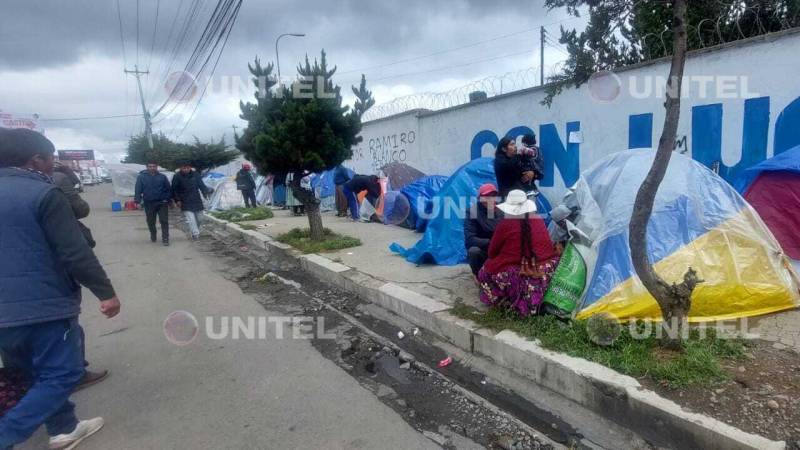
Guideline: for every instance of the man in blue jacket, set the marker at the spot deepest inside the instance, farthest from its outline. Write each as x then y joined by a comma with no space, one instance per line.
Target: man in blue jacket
154,191
45,259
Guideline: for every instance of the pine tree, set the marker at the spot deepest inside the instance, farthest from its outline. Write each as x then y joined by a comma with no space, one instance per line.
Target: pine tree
301,130
364,100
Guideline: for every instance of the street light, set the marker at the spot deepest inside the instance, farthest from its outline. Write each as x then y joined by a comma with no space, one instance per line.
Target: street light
277,56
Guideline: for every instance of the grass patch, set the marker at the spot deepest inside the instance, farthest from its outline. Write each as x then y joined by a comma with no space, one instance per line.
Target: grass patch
299,238
698,365
242,214
248,226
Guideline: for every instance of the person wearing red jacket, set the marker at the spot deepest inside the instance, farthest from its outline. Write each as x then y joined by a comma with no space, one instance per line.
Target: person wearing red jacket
522,258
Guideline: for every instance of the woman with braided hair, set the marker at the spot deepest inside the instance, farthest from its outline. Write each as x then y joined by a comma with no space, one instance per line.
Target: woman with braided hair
522,258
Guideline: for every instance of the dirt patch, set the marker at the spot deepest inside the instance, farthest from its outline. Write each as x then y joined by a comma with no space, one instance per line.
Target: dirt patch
761,397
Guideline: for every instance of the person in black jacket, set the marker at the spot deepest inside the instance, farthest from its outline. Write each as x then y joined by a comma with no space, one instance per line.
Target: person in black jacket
187,187
247,184
358,184
153,190
479,227
508,168
45,259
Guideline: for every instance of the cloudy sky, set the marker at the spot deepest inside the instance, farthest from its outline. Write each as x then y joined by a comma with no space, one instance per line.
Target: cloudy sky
64,59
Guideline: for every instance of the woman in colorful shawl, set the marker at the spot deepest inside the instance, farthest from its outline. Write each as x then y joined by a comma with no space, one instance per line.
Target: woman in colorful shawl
522,258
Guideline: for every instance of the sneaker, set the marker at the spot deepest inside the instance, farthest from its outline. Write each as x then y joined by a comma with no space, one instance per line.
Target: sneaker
84,429
195,237
153,238
165,242
91,378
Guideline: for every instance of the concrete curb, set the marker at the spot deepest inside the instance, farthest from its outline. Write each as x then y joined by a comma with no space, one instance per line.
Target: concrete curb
597,388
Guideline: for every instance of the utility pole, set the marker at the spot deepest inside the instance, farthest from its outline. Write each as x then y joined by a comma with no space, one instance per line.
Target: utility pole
148,126
542,34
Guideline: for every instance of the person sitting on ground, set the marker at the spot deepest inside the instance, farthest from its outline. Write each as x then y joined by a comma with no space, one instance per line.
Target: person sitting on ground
357,185
530,161
507,169
45,261
522,258
187,187
341,176
247,184
479,227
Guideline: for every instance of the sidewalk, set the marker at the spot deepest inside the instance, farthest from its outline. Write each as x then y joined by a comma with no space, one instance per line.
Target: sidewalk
424,295
449,284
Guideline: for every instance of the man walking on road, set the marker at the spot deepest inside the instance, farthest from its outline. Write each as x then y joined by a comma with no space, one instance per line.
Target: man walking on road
45,260
187,187
66,180
247,184
154,192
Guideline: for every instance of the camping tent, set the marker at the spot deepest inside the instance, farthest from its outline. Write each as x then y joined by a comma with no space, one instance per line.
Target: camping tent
773,189
226,196
419,195
123,177
325,190
212,179
443,241
400,175
698,221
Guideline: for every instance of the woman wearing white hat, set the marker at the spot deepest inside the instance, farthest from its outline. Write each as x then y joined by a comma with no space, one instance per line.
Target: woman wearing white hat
522,258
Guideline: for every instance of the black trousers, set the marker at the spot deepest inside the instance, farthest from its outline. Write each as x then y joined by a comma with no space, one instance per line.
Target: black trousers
476,257
161,210
249,198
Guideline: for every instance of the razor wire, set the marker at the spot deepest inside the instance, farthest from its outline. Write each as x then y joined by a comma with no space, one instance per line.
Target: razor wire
491,86
746,22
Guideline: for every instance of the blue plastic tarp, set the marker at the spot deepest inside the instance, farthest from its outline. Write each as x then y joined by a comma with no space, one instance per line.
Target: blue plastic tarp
788,161
443,241
324,181
419,195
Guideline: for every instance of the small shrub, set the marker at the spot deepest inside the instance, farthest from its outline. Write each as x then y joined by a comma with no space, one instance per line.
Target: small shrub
242,214
300,238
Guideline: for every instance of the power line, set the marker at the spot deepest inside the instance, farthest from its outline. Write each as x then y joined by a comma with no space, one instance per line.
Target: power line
151,85
219,22
453,67
137,31
232,22
153,41
449,50
121,35
64,119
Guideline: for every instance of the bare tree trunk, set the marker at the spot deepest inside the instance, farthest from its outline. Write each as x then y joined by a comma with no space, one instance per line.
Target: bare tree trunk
674,300
311,204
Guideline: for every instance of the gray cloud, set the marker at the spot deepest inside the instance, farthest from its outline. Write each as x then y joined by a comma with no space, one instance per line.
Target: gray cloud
64,58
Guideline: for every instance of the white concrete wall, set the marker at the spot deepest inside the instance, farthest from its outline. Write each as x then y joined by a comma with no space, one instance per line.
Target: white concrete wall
762,72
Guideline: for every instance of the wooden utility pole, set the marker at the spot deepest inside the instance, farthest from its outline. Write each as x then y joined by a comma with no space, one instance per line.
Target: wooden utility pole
148,126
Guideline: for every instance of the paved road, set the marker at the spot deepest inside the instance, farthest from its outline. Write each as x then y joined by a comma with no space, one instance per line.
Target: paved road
210,394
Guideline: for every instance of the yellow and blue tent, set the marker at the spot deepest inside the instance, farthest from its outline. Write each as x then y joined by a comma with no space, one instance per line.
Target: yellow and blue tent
698,221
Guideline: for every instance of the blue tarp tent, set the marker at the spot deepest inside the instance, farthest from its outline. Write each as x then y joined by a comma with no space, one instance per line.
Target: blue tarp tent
324,189
443,242
788,161
419,195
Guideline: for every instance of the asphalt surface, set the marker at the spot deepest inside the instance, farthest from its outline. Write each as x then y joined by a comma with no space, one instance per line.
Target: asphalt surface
229,393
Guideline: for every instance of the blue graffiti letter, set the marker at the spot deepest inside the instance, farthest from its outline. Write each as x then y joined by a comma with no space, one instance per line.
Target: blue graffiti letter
567,159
